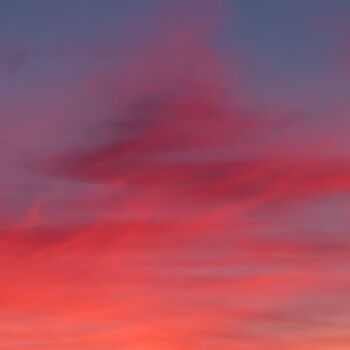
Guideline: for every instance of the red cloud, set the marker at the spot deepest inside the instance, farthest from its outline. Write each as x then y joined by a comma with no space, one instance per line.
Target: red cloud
173,227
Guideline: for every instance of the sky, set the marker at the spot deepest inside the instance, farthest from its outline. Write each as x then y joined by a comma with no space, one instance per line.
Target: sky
174,175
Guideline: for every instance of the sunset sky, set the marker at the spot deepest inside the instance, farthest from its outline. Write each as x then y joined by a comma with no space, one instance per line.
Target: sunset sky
174,175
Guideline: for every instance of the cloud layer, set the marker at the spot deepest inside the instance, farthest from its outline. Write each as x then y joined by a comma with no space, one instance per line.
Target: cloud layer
157,209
